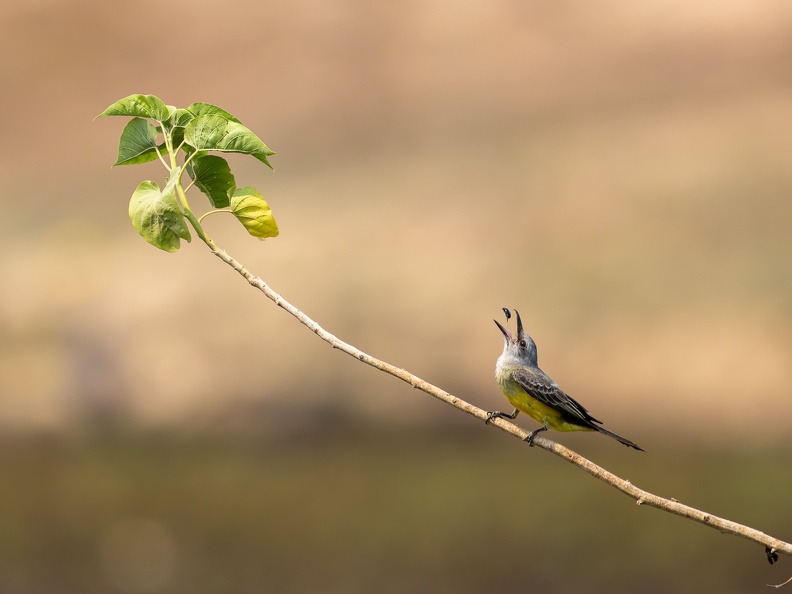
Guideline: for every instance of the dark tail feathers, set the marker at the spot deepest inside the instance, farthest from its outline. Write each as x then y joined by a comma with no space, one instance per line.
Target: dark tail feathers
618,438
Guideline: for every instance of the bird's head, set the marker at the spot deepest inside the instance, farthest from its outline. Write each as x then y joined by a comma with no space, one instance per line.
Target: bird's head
519,347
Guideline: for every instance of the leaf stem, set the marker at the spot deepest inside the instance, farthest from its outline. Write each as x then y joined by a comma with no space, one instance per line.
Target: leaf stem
182,196
169,145
206,214
156,150
188,214
189,158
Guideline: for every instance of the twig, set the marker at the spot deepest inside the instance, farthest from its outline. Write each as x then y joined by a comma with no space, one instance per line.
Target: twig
773,546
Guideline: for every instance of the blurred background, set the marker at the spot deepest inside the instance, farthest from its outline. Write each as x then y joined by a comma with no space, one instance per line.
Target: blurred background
618,172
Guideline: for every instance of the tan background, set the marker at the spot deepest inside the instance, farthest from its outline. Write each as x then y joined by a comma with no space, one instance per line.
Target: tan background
618,172
620,175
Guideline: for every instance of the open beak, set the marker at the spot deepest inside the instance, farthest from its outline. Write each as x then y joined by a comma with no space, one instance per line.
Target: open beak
506,334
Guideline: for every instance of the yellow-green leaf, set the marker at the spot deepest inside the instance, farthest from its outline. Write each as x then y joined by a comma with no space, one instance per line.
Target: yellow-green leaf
253,212
156,214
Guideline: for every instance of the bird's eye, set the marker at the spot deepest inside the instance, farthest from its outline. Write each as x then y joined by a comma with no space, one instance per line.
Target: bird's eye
523,344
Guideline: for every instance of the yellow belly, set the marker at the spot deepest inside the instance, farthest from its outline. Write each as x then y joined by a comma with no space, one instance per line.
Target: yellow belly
546,415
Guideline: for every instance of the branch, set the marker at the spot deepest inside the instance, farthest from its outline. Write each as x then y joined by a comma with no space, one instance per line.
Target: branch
773,546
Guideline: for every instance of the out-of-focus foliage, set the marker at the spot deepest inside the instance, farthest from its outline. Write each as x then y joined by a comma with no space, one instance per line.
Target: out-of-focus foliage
359,513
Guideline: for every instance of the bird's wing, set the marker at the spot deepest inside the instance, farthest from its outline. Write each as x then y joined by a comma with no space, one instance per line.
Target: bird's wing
537,383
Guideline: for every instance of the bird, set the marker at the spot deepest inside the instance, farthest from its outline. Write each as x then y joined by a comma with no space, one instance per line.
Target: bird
530,390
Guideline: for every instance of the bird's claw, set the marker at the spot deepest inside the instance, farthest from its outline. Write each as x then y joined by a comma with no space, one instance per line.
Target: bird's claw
530,437
492,414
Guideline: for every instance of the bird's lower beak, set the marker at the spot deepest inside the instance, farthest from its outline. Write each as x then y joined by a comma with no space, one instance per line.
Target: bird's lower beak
506,334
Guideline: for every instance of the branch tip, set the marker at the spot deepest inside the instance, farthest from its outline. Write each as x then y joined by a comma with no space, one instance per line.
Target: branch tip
779,585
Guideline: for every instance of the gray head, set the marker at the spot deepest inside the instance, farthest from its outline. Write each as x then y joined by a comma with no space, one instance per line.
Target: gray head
521,347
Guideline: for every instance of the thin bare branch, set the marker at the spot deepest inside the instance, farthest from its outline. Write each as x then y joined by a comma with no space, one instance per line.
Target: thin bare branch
641,497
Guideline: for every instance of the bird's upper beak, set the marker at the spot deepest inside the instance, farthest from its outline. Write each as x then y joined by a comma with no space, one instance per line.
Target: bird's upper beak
519,324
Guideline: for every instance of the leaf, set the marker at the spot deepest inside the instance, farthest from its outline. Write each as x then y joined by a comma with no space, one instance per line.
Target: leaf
213,132
138,143
179,118
205,132
177,139
253,212
140,106
239,139
213,177
175,125
156,214
199,109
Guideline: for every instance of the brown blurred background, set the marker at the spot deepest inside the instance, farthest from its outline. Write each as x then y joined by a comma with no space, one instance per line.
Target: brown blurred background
619,172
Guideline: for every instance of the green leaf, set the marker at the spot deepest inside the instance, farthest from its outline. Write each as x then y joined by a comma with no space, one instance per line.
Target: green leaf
199,109
213,177
179,118
253,212
156,214
205,132
239,139
174,125
177,138
138,143
140,106
213,132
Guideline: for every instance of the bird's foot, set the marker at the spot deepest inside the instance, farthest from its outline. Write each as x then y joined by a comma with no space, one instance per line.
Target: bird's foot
530,437
496,414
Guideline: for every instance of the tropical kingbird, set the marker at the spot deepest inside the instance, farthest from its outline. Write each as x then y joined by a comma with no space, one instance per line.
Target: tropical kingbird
530,390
